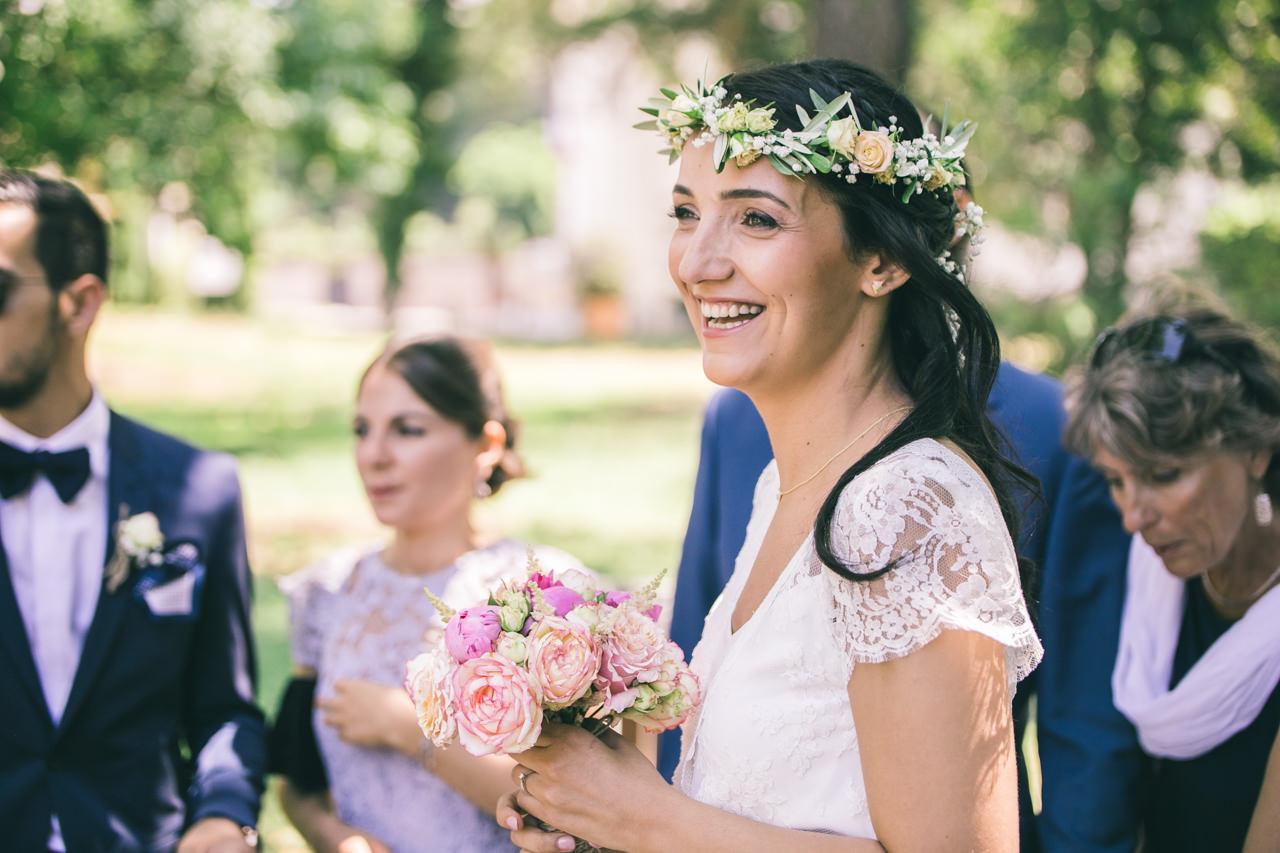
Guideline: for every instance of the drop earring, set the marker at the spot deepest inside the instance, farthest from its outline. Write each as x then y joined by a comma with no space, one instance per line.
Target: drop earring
1262,509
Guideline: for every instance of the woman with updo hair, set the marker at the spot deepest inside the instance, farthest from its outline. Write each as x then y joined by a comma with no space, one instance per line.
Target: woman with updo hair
432,436
1180,411
858,667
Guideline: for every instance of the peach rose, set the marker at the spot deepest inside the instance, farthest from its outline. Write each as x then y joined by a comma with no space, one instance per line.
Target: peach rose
563,660
497,708
873,151
427,682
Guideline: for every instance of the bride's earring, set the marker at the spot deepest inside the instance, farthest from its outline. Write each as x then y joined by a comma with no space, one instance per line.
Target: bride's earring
876,287
1262,509
482,488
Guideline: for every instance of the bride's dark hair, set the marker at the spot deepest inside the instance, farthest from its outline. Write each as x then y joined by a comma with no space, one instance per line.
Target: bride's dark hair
944,344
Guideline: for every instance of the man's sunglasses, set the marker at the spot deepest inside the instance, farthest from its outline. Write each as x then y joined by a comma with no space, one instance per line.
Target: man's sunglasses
1158,339
10,282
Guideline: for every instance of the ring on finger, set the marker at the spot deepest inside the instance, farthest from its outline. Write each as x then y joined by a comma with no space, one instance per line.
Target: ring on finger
524,775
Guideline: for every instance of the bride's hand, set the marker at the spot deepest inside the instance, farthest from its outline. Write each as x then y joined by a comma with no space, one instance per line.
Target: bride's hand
601,788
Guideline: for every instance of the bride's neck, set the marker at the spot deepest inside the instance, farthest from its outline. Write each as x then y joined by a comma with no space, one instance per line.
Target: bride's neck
807,425
423,551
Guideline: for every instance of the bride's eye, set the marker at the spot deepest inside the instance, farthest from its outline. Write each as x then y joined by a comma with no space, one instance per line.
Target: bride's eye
756,219
682,211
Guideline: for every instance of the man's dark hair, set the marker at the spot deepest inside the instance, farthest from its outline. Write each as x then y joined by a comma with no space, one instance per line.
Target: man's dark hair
71,238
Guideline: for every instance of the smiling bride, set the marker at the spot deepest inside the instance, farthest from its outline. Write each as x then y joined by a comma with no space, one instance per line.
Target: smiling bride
858,667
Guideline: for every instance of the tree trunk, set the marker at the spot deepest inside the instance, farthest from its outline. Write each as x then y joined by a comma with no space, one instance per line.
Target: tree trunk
874,33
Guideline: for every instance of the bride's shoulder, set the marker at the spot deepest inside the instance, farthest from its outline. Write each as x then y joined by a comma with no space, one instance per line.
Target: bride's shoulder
924,467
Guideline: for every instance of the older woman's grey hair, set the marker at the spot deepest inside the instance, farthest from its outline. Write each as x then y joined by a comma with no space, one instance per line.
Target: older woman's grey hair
1169,386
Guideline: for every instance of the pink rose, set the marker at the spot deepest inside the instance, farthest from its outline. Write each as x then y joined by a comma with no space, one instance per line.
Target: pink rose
661,712
472,632
633,649
563,661
428,684
497,708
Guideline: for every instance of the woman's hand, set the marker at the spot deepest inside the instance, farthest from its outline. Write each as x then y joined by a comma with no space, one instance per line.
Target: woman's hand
368,714
599,788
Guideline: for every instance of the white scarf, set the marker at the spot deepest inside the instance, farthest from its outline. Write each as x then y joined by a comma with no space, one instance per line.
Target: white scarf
1224,690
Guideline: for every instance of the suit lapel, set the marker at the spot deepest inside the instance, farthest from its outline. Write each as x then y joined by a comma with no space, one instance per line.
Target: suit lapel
13,638
127,486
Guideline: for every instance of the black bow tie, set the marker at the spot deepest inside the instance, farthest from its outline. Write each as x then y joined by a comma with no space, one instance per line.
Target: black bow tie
68,471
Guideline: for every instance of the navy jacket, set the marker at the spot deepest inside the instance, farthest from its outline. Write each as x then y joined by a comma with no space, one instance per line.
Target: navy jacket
1090,759
161,728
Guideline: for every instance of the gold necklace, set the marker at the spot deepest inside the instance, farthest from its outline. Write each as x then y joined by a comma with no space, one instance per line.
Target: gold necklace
782,493
1232,603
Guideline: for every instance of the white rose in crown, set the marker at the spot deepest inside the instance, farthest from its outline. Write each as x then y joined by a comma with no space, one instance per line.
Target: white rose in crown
842,136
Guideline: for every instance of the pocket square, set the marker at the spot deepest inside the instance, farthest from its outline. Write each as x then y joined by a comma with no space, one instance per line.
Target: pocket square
174,598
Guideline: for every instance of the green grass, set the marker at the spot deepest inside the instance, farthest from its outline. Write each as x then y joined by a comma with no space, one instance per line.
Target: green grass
608,433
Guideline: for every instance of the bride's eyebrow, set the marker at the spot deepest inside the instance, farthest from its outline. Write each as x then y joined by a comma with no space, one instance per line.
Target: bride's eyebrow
750,193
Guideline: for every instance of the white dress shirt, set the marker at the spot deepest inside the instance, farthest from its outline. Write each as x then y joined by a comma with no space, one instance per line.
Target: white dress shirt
56,551
56,555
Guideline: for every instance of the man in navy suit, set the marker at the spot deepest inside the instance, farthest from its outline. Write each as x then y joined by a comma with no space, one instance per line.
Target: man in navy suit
1090,758
126,658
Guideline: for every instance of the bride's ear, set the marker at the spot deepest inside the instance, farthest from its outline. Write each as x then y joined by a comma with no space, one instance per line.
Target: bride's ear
881,277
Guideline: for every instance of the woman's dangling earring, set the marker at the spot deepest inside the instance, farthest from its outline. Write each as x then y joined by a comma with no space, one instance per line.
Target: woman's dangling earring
482,488
1262,509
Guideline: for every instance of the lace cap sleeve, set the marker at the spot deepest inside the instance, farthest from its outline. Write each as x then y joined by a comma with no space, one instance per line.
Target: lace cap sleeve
925,511
310,592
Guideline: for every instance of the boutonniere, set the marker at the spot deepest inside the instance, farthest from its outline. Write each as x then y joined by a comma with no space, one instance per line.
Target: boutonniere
138,544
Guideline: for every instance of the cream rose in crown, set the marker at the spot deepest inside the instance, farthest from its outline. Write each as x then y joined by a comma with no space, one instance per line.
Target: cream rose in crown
550,647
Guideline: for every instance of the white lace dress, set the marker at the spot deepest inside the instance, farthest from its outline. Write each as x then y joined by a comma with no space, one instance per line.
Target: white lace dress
353,617
774,738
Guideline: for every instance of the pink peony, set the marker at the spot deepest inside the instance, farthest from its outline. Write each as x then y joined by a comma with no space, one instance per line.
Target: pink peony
472,632
427,682
497,708
563,661
561,599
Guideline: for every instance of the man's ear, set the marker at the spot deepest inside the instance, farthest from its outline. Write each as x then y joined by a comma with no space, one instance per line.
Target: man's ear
882,277
79,303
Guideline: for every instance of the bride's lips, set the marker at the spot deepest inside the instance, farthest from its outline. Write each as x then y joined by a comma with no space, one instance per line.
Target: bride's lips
724,315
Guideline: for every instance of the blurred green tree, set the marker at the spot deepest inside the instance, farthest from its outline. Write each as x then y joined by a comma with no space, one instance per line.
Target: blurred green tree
370,114
1093,99
132,96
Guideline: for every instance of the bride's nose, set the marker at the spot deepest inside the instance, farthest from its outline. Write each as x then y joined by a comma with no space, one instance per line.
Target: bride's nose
700,254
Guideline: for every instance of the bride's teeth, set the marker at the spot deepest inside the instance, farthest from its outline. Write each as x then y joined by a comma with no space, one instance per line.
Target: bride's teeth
729,310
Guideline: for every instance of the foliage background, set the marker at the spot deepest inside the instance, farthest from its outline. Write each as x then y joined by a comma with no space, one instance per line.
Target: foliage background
1126,141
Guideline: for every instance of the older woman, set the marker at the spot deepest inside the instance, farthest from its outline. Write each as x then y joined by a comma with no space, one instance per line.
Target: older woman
1181,414
858,667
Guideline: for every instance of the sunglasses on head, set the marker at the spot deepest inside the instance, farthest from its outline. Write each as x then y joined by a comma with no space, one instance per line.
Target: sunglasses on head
1158,339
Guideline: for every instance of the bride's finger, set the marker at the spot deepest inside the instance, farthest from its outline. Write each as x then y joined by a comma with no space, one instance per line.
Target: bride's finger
507,813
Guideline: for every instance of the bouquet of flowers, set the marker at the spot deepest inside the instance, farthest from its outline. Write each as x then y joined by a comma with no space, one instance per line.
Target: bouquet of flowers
549,647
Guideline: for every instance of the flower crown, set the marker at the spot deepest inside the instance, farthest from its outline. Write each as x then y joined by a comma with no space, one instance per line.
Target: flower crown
825,144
